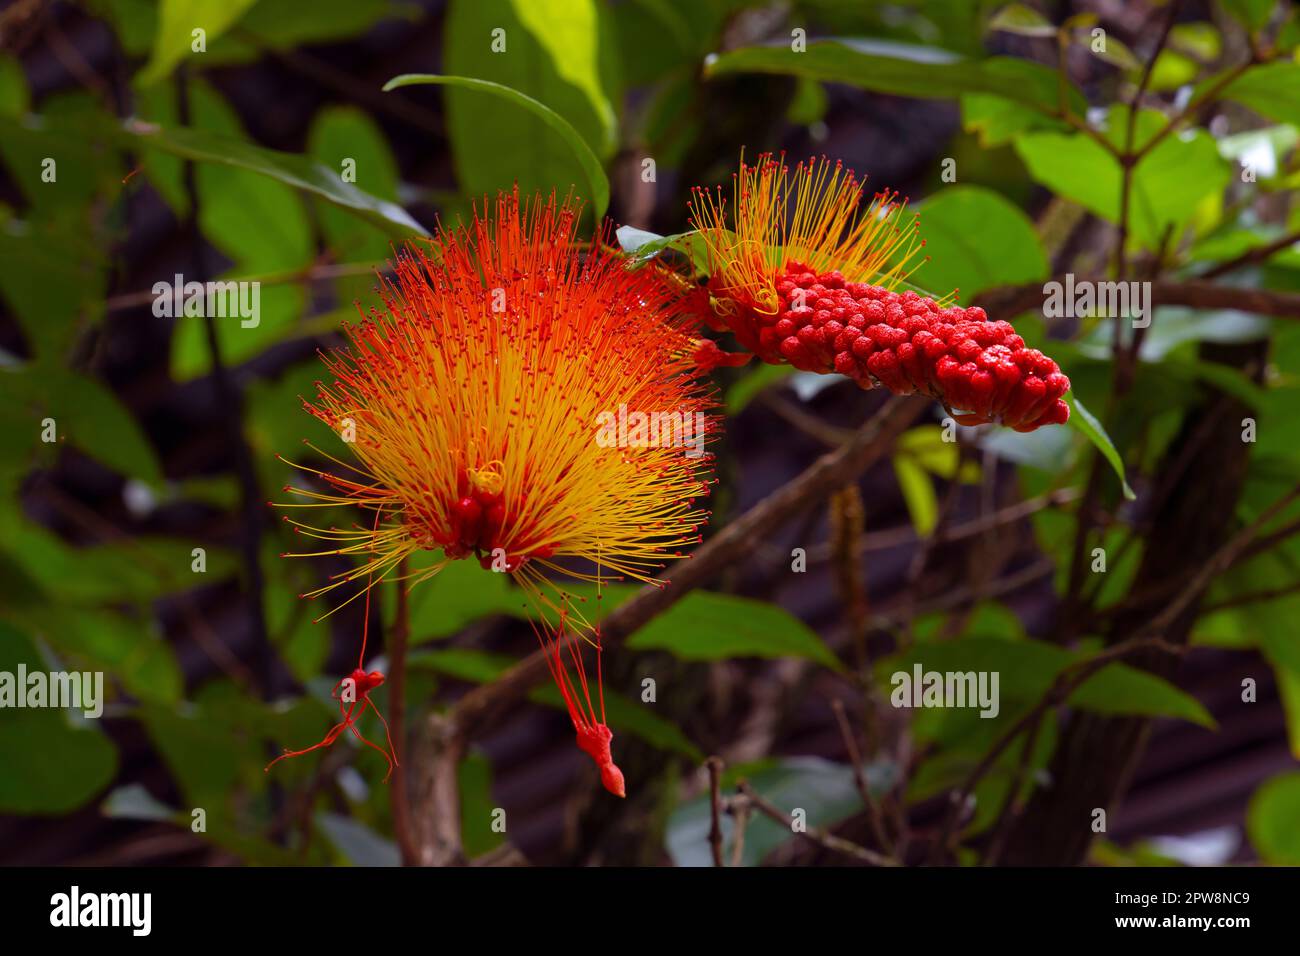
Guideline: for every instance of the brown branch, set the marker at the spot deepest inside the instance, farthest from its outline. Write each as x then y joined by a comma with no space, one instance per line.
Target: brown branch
906,534
1010,301
436,791
715,809
318,272
1252,256
230,401
1250,597
860,778
739,808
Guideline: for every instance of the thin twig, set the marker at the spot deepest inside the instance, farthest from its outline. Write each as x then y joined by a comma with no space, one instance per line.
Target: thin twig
860,778
714,765
1252,256
739,807
1010,301
231,406
817,835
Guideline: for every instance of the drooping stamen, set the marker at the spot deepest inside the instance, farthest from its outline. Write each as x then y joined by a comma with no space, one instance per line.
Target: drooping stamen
362,684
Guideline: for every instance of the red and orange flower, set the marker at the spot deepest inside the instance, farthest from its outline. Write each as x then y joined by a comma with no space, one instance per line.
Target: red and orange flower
477,398
804,272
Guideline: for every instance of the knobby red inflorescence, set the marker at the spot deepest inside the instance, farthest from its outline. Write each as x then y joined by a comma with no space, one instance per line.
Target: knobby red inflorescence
804,269
909,343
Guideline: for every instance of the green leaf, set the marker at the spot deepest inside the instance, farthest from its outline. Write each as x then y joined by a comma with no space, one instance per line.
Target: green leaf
176,23
288,168
1027,668
459,594
1020,19
1253,13
747,388
280,25
1172,70
52,765
1084,421
642,246
1167,184
926,446
998,120
1288,688
360,845
279,310
918,493
597,182
977,240
477,806
706,626
1271,819
1270,89
216,746
343,135
85,414
1120,689
1112,50
14,96
903,70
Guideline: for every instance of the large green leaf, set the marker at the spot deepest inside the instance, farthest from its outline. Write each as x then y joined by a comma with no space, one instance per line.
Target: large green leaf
1084,421
976,240
1271,820
343,134
177,21
553,52
478,176
52,765
997,120
904,70
459,594
288,168
1026,670
1270,89
706,626
86,415
1166,185
1120,689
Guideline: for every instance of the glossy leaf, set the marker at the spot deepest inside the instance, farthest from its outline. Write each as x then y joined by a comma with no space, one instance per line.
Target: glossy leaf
706,626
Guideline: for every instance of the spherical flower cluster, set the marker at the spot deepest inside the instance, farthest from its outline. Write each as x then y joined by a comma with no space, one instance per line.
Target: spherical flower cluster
474,400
